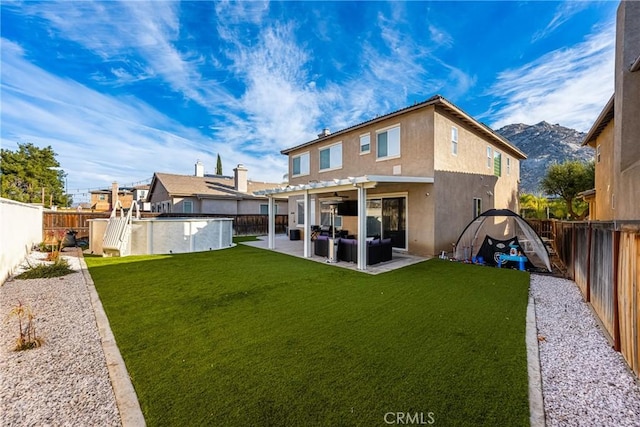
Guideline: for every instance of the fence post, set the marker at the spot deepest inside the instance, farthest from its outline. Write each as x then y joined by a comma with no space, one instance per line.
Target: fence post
616,311
573,251
588,296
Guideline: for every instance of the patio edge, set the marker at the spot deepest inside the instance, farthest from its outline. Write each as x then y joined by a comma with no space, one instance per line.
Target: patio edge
125,394
536,401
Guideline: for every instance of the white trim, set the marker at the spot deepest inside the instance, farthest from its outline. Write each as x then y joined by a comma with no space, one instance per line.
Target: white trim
360,142
309,165
346,184
393,195
329,146
454,141
386,129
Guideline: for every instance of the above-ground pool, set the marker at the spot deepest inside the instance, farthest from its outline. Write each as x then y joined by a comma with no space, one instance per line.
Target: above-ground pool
169,235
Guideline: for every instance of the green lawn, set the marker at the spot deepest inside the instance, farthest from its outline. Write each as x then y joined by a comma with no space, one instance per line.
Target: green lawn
250,337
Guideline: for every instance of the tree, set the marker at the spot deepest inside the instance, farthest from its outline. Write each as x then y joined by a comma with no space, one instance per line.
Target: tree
533,206
32,175
219,166
567,180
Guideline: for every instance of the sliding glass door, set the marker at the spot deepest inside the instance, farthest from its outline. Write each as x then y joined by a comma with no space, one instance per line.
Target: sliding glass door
387,218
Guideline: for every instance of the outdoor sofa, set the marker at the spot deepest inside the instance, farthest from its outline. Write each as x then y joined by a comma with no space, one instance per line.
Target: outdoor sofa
378,250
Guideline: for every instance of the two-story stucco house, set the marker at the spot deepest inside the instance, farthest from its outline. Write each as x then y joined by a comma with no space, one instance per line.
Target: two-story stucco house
417,175
616,132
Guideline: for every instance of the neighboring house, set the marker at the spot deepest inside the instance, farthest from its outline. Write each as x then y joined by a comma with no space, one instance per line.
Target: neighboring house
140,193
209,194
417,175
102,200
615,134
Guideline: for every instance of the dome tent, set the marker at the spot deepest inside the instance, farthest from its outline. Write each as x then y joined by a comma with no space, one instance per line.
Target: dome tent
496,231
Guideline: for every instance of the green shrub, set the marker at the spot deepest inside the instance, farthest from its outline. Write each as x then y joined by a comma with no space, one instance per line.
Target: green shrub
42,271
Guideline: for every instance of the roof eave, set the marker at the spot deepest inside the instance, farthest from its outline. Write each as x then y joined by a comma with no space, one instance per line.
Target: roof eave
605,116
431,101
435,100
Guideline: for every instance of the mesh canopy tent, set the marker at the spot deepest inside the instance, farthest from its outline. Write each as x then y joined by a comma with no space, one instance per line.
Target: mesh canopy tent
496,231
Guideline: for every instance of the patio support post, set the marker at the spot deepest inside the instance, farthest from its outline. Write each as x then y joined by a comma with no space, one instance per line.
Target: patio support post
307,226
271,223
362,227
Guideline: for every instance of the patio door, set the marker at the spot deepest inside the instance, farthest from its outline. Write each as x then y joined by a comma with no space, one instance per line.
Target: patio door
387,217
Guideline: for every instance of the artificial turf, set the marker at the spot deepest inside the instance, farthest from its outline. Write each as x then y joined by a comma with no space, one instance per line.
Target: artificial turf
246,336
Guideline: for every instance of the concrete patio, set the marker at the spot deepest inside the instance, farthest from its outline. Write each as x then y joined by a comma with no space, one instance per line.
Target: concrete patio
295,248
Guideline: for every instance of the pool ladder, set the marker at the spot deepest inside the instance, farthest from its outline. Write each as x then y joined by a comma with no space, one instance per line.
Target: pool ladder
117,236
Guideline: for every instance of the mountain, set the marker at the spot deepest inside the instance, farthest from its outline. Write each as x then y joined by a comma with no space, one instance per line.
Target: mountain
544,143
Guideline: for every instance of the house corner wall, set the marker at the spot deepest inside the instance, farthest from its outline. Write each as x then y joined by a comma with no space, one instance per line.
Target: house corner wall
626,112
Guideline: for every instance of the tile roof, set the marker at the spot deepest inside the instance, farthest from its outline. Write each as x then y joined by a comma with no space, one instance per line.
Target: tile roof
436,100
209,186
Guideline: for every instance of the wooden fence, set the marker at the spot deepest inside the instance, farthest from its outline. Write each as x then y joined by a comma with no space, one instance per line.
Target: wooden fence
243,225
603,258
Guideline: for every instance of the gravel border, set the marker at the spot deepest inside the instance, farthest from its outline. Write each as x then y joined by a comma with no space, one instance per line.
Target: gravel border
584,381
66,381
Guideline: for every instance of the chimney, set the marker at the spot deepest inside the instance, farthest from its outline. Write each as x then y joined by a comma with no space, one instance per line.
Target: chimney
199,169
114,194
325,132
240,178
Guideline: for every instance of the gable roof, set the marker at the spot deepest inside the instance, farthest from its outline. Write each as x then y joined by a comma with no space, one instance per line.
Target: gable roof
206,187
601,122
439,102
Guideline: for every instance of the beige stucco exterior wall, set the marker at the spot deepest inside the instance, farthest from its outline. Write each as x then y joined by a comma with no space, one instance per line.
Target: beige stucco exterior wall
627,112
416,150
159,194
454,193
604,182
472,158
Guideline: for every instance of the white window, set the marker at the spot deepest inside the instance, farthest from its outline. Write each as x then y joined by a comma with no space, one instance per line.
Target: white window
187,206
300,165
454,140
497,164
598,154
331,157
388,143
489,157
365,143
508,165
477,207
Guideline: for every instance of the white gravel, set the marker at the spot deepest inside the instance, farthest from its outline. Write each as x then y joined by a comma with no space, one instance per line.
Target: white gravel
584,381
65,382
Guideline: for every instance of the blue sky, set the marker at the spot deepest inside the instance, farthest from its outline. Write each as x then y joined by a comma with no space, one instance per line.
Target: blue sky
124,89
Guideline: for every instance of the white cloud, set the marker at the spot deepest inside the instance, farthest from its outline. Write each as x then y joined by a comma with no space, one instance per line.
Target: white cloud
116,30
569,86
100,138
564,11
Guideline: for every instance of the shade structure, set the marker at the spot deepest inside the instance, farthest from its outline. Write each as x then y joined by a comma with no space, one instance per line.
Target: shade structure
508,228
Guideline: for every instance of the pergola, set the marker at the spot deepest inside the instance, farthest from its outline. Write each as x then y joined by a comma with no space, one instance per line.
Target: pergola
361,184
